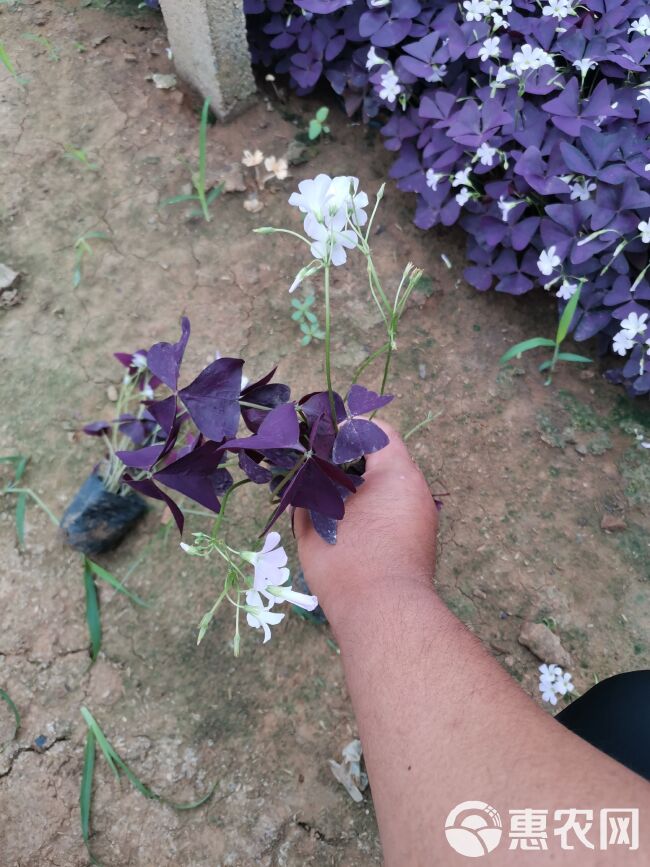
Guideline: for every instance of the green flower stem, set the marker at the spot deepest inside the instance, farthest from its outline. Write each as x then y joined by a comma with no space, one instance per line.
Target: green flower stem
368,361
224,503
328,363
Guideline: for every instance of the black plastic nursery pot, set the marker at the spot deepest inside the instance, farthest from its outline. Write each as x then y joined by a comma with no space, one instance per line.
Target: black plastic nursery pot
97,520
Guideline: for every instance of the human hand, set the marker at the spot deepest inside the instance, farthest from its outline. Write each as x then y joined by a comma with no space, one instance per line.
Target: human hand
388,533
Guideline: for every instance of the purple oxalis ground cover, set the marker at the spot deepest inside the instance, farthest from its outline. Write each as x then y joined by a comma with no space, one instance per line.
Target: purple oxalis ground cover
526,123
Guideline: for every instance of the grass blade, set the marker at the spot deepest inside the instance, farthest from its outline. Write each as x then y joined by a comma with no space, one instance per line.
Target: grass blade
571,356
86,792
117,763
12,707
21,505
102,573
109,753
6,62
175,200
567,316
92,611
21,464
524,346
214,193
203,134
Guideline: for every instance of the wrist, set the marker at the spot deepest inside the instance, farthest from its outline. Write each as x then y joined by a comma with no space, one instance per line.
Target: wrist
356,600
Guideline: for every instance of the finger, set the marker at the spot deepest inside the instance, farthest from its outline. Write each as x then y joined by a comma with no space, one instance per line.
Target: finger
394,455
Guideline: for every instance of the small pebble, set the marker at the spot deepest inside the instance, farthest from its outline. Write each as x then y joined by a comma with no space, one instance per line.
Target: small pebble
111,393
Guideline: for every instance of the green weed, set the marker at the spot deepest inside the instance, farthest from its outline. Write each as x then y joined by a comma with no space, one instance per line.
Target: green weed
317,126
202,196
535,342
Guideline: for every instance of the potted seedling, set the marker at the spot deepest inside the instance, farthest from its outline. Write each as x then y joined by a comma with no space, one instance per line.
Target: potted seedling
105,508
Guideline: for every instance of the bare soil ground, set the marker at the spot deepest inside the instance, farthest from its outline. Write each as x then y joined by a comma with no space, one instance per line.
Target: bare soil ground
530,471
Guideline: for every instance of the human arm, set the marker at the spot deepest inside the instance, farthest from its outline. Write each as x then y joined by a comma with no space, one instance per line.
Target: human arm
439,719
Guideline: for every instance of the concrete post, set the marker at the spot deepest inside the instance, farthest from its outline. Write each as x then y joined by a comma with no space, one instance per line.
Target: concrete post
208,41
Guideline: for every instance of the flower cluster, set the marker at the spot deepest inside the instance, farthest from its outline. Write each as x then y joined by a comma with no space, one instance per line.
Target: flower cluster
554,682
525,122
261,591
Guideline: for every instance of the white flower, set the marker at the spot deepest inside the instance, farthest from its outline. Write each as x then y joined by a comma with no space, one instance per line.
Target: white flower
490,48
433,179
499,21
260,616
584,65
505,6
390,86
486,154
475,10
505,207
373,58
330,201
558,9
286,594
645,94
530,57
503,75
252,159
563,683
147,392
567,290
463,196
548,261
277,167
461,179
553,682
582,190
269,563
342,195
622,343
438,72
139,360
307,271
548,693
331,242
641,25
548,673
377,4
634,324
643,227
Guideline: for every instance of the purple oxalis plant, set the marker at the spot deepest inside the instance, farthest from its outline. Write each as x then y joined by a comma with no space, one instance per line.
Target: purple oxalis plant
527,123
189,442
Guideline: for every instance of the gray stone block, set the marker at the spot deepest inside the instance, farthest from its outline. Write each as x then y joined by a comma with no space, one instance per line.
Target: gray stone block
210,48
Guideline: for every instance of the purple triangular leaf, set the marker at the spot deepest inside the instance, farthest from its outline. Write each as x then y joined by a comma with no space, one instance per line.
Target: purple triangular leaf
357,438
197,475
361,400
212,400
97,428
164,412
150,489
141,459
164,359
257,474
279,430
